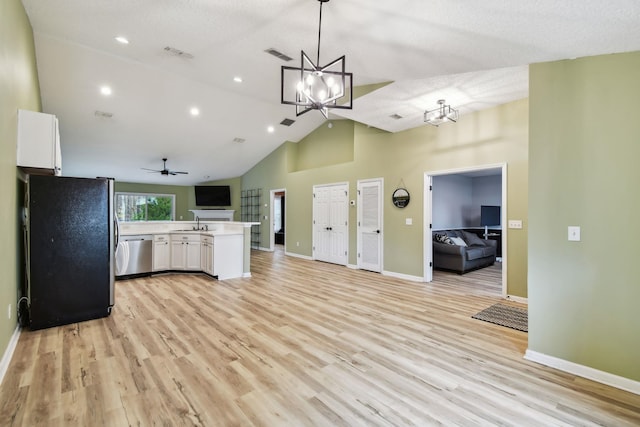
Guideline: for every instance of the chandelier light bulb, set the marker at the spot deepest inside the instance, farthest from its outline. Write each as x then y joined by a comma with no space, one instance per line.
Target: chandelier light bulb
300,87
310,79
322,94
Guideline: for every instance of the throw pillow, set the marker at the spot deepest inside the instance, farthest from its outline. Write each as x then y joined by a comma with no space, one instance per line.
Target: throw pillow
458,241
442,238
472,239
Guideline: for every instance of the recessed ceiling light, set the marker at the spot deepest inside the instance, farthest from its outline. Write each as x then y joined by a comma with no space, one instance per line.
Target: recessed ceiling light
122,40
271,129
237,79
106,90
195,111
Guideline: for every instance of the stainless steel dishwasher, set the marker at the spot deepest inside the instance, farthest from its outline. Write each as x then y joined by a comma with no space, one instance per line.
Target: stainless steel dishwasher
134,255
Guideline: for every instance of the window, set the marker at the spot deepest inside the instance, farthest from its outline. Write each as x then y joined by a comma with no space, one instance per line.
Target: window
145,207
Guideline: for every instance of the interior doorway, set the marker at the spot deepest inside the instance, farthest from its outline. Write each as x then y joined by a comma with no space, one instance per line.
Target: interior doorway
278,218
466,213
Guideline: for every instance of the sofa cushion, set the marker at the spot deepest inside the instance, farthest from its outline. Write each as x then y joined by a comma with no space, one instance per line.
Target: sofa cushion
472,239
475,253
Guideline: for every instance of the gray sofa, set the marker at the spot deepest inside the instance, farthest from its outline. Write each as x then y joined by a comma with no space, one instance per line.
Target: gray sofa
472,254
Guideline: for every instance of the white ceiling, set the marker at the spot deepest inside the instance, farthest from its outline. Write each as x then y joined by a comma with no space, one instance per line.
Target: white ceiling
473,54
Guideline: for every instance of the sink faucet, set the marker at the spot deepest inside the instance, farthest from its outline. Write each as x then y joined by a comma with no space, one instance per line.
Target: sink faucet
197,223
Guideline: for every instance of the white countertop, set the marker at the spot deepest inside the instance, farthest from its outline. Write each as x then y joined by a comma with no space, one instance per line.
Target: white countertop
215,228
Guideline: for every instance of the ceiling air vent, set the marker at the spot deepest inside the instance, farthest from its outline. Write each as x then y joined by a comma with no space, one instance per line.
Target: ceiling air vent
287,122
103,114
177,52
278,54
396,116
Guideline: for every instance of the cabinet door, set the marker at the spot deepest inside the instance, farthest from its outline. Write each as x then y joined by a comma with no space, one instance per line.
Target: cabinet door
161,256
38,141
192,255
178,255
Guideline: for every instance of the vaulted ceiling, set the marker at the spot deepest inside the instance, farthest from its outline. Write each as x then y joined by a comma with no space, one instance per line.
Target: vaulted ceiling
473,54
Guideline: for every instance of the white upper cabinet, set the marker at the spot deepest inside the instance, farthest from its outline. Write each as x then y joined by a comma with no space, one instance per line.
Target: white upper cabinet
39,142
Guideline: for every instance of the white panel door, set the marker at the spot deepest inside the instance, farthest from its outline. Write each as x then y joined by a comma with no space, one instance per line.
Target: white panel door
338,227
321,221
330,223
370,225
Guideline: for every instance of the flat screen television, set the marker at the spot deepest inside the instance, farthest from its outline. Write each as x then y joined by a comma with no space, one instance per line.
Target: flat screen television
489,216
213,195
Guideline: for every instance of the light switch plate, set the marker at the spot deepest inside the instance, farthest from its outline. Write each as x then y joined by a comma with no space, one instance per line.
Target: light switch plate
574,233
408,221
515,223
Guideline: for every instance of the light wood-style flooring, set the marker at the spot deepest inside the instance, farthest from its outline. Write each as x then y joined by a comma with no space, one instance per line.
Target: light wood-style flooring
300,343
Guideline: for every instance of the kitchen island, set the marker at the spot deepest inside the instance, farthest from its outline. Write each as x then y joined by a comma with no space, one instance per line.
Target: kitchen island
218,248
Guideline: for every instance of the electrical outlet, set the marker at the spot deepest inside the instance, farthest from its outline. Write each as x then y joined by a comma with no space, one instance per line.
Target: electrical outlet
297,243
408,221
9,312
515,223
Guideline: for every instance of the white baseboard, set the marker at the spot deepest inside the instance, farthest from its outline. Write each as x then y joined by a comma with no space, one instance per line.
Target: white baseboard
517,299
584,371
260,248
299,256
8,353
246,274
403,276
352,266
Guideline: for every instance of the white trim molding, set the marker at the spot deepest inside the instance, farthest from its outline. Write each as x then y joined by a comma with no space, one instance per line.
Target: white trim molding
8,353
299,256
584,371
403,276
517,299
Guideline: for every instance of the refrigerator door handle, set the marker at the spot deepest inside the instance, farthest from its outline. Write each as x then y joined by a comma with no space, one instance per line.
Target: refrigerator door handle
117,231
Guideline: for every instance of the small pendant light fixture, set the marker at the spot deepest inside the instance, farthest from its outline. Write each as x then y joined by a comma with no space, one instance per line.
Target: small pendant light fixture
316,87
444,113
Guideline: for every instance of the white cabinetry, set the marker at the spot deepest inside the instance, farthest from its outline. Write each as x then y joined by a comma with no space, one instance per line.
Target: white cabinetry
206,251
227,255
161,252
185,252
38,145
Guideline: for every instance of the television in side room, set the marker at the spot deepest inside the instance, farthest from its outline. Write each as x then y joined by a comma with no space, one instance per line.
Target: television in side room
213,195
489,216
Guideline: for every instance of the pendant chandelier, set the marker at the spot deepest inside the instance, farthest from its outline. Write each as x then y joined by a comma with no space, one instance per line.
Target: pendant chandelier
444,113
316,87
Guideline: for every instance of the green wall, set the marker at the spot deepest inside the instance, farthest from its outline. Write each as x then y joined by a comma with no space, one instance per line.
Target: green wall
493,136
18,89
584,150
185,195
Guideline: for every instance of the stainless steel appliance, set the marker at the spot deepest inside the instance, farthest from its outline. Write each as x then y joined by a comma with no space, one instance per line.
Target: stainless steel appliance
70,249
134,255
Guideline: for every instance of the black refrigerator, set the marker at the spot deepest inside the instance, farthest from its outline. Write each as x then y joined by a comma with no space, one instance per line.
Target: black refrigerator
71,235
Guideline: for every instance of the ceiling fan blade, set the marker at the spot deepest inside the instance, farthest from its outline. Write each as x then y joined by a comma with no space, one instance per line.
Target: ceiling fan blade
178,172
150,170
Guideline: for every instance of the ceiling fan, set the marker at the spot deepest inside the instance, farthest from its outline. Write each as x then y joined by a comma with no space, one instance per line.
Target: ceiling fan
164,170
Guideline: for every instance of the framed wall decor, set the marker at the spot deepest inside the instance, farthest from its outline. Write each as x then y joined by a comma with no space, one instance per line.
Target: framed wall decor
400,197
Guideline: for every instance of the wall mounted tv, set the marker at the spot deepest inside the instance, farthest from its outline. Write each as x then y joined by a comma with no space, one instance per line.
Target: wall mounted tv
489,216
213,195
